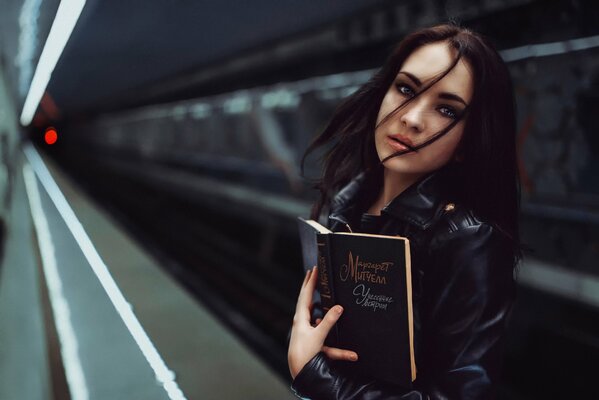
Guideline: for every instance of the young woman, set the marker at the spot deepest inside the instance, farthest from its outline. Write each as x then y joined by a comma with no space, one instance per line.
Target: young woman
425,149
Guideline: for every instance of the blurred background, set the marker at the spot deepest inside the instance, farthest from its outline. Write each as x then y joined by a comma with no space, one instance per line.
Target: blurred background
149,185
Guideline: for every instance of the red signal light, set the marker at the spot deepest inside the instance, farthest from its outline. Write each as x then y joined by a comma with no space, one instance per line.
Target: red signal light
50,136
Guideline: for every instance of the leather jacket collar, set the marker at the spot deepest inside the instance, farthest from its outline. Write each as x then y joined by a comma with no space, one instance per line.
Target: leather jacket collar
419,204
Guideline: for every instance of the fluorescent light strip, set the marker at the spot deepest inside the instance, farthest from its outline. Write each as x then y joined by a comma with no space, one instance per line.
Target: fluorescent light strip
66,17
164,375
30,12
60,307
549,49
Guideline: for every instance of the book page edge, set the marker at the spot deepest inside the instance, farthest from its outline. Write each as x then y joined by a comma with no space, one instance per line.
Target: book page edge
373,235
316,225
410,309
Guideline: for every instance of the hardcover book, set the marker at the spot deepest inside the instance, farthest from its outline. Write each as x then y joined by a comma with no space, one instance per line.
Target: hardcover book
370,277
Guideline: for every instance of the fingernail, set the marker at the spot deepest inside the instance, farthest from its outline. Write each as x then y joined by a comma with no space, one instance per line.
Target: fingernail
338,309
353,357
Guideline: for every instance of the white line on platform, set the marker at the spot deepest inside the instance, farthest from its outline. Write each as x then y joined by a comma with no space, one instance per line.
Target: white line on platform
164,375
60,307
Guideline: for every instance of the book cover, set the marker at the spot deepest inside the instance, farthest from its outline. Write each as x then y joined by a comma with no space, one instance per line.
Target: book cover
370,276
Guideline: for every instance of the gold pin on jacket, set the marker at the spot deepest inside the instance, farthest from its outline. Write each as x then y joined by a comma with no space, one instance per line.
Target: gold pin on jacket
449,207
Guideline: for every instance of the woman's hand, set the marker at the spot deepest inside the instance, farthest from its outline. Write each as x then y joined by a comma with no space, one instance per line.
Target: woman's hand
306,340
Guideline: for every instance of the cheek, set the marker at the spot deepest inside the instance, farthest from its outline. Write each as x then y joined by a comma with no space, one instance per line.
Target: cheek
443,149
386,106
379,142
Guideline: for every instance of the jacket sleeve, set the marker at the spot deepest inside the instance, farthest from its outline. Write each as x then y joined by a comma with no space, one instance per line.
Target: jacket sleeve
467,301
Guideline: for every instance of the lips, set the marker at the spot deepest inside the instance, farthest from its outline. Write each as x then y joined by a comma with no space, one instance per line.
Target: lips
399,143
397,138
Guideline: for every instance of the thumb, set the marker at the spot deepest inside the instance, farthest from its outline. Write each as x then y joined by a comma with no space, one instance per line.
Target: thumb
330,318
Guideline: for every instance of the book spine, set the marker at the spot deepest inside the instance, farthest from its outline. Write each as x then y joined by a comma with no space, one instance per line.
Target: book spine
325,281
324,277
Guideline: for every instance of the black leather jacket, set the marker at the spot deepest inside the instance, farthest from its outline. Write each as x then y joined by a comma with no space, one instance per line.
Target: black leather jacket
463,290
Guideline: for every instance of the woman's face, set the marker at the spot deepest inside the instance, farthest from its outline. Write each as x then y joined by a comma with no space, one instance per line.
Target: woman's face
426,115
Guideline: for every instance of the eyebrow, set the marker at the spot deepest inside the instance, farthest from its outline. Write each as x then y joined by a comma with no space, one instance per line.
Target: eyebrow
442,95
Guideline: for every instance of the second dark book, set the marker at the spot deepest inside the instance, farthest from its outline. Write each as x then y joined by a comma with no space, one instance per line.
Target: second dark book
370,276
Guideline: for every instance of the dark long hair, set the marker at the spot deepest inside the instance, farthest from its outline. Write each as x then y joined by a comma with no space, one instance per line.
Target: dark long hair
486,179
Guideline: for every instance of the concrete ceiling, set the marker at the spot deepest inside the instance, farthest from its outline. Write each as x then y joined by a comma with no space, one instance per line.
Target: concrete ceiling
118,47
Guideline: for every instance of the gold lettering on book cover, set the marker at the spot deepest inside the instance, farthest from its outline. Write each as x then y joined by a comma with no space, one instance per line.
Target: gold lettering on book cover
325,289
363,271
372,301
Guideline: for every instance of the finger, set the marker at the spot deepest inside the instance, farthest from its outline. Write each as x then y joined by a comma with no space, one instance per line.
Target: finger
330,318
312,281
304,301
307,277
318,321
307,291
304,283
340,354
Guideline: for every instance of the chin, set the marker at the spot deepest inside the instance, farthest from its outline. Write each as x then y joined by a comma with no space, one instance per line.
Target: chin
398,165
407,165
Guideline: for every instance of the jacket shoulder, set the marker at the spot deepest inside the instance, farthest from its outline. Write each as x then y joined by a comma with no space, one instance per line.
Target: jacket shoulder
460,222
474,254
458,217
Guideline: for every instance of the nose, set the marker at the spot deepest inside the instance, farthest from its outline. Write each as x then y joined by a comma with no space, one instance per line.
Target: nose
412,118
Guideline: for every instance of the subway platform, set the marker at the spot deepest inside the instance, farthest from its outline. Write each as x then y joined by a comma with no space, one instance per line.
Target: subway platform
86,314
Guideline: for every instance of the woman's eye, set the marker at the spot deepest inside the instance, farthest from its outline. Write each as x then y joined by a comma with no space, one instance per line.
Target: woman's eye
448,112
404,89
